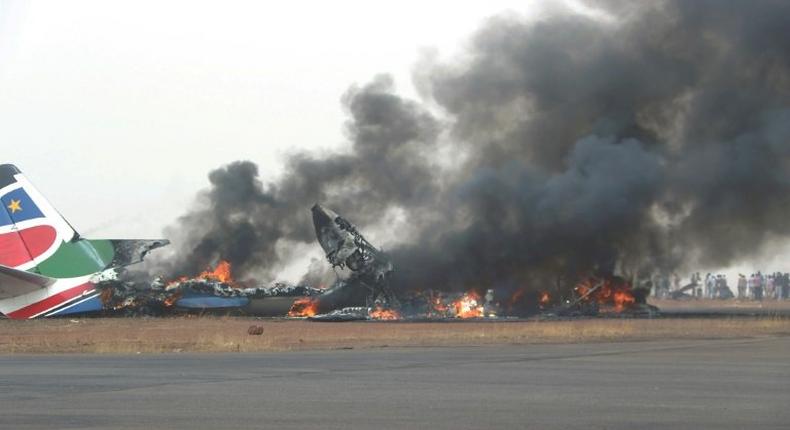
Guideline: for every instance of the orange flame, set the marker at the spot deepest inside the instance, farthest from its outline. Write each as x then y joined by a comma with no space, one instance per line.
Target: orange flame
583,288
380,313
468,306
623,299
304,307
175,281
617,295
220,273
438,304
172,299
545,298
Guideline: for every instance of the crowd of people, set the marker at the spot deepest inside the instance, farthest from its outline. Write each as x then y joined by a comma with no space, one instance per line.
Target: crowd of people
755,286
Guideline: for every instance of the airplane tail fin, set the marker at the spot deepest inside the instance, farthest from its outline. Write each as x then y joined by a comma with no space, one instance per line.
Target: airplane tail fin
34,236
30,228
46,268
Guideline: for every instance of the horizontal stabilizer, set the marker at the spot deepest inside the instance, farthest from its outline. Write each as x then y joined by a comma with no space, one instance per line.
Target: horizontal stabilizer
15,282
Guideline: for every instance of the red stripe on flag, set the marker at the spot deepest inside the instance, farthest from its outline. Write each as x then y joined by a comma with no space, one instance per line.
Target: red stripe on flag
38,239
16,248
12,250
50,302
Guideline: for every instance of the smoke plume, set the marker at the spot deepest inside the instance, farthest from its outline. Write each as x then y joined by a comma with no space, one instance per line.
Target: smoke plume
243,221
655,139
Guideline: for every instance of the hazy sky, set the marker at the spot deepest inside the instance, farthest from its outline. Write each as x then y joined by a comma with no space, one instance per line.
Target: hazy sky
117,110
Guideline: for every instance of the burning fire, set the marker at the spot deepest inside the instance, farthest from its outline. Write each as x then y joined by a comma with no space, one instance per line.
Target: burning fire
172,299
304,307
545,299
438,304
623,299
609,292
468,306
220,273
379,313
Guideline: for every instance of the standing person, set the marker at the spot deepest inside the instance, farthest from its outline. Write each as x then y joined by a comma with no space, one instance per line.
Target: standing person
654,289
750,286
777,285
664,286
696,279
710,285
741,286
785,285
758,286
716,287
769,287
725,292
705,286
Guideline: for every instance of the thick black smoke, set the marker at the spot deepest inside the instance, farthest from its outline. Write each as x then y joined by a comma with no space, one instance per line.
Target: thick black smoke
243,221
656,139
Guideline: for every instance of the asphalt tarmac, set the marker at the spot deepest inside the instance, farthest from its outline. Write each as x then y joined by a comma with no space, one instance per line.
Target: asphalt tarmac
730,384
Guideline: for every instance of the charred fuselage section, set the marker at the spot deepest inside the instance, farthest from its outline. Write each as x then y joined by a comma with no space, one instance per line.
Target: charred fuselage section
363,289
370,269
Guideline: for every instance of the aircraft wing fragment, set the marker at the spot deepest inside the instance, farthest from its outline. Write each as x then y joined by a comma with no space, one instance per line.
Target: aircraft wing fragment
15,282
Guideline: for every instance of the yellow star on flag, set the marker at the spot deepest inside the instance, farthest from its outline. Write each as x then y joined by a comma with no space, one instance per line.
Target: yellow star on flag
14,206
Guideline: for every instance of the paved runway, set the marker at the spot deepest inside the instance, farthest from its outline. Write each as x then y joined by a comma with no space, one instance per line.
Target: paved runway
731,384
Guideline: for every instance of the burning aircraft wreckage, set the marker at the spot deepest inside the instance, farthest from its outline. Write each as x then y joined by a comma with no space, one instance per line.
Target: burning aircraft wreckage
365,293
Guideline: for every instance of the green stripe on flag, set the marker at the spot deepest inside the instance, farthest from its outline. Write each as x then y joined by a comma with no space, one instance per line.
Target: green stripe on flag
79,258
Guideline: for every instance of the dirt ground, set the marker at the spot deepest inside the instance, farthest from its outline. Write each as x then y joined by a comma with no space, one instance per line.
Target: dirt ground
230,334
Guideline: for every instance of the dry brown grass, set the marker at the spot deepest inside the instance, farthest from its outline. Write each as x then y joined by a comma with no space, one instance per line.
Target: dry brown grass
225,334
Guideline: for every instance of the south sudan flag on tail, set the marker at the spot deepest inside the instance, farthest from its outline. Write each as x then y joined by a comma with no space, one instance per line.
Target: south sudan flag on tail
46,268
30,229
